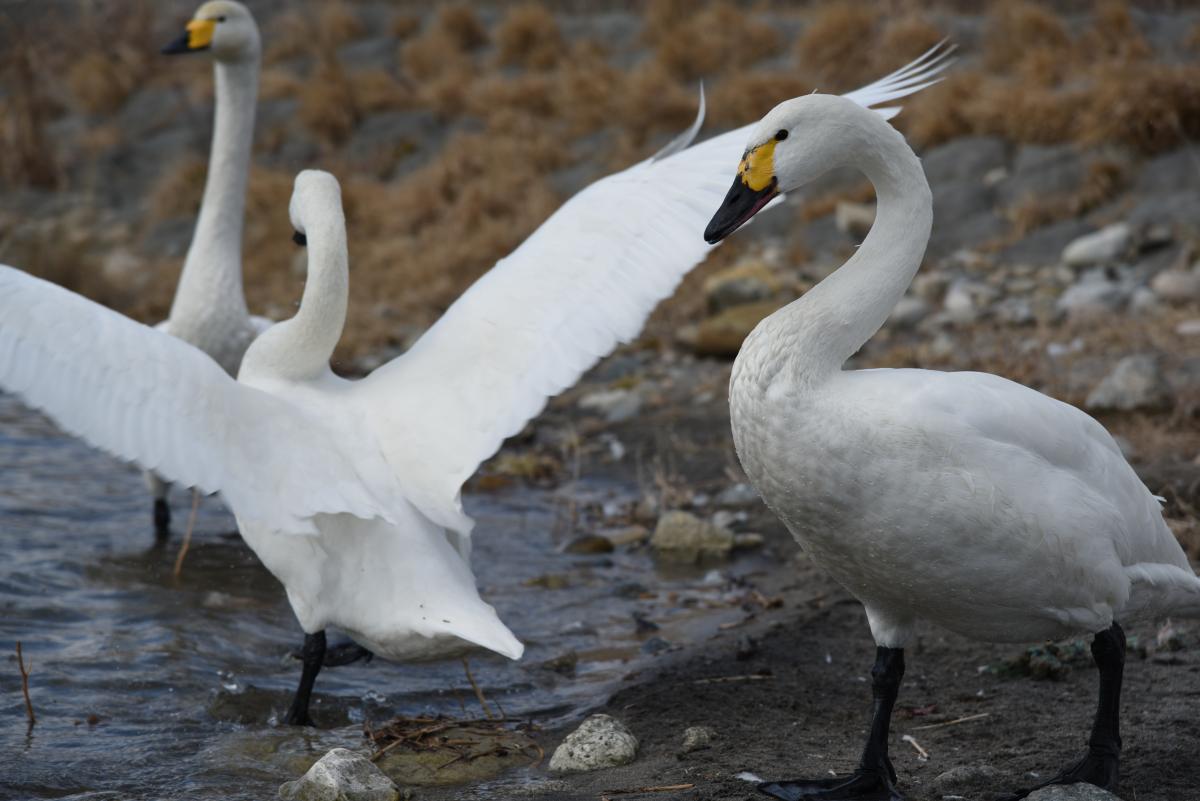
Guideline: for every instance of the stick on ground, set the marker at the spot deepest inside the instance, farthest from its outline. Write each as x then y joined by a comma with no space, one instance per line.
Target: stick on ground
487,713
25,685
187,536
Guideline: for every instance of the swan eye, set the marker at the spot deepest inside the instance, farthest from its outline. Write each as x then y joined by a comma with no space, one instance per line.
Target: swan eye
221,18
781,134
300,239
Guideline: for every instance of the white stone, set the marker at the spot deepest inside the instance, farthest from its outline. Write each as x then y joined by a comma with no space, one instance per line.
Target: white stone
1188,328
1177,286
601,741
685,535
341,775
1097,248
697,737
1080,791
908,312
1136,382
616,405
1093,299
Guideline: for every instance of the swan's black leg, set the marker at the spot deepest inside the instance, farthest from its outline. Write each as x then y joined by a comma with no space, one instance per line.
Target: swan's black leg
346,653
875,779
1101,765
162,519
313,656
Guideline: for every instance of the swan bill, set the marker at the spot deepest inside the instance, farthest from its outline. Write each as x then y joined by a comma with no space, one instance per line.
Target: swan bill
197,37
739,205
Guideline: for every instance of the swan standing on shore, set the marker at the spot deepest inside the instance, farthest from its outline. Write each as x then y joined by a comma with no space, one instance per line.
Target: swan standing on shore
349,491
209,309
960,498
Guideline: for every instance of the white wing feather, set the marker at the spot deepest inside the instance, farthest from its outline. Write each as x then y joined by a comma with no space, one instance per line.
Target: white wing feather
585,281
147,397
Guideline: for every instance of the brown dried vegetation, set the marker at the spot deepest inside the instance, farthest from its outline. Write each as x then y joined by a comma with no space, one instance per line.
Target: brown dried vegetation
528,36
717,38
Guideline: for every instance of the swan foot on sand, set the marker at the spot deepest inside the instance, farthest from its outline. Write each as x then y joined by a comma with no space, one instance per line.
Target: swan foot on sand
162,519
875,779
1101,765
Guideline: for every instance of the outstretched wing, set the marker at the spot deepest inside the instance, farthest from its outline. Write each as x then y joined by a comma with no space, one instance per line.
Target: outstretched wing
585,281
150,398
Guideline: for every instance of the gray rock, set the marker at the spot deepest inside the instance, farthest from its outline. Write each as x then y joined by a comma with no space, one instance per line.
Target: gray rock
697,737
908,312
737,495
1014,311
1101,247
965,778
968,157
1170,172
1093,298
341,775
1177,286
854,218
1080,791
685,536
1044,245
1040,170
1188,328
966,300
616,405
1136,382
600,741
1144,301
747,282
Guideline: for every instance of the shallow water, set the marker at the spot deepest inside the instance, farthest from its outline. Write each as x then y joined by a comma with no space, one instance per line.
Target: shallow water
185,677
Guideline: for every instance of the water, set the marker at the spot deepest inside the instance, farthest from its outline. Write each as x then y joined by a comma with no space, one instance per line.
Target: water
148,686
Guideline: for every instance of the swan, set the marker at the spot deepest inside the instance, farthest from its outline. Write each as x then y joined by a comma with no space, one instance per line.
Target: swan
960,498
209,308
349,491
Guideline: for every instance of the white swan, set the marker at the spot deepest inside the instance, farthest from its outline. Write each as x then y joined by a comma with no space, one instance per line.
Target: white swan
209,309
348,491
961,498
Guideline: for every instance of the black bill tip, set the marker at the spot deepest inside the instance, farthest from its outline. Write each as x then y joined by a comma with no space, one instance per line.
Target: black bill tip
180,45
300,239
739,205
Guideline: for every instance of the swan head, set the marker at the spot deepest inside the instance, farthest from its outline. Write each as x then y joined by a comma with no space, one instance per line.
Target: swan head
316,197
798,140
222,27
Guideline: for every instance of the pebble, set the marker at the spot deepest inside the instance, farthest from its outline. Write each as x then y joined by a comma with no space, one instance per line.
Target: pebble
1177,286
965,778
855,219
1092,299
589,544
746,282
1080,791
617,405
1137,382
1144,301
1100,247
1188,328
601,741
739,495
684,536
630,535
908,312
697,737
722,334
341,775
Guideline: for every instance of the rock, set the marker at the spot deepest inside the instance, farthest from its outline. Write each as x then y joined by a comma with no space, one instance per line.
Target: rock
563,663
1100,247
1177,286
722,334
737,495
1081,791
965,779
1188,328
966,300
1092,299
616,405
686,537
589,544
908,312
854,218
629,535
601,741
697,737
746,282
1144,301
748,539
1136,382
341,775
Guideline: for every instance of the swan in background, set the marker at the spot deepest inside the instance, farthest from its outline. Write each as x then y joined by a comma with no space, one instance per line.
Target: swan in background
960,498
209,309
349,491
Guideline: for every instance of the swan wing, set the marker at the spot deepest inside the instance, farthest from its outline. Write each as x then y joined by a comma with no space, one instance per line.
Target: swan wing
147,397
585,281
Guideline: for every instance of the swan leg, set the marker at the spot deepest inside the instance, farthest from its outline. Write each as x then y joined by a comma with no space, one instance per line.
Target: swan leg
313,656
1101,765
162,509
346,653
875,778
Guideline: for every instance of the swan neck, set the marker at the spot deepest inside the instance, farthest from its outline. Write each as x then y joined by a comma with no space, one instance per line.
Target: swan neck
819,332
212,271
317,326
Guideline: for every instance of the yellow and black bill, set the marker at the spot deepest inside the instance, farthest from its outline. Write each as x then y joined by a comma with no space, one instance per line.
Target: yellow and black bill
740,204
197,37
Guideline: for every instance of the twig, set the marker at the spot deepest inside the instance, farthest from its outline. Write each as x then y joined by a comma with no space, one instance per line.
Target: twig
922,754
952,722
487,713
666,788
723,679
25,685
187,536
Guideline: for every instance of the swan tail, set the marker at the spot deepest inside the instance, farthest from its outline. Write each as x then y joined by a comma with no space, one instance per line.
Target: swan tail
1161,590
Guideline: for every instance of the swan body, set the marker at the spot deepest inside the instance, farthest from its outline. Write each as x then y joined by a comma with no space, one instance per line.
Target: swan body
960,498
209,309
349,491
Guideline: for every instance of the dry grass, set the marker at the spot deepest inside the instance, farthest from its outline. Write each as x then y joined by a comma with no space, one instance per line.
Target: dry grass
717,38
461,25
830,50
25,110
1104,180
1016,29
528,36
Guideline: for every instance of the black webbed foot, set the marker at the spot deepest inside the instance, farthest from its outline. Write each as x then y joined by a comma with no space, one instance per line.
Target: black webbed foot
862,785
162,519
